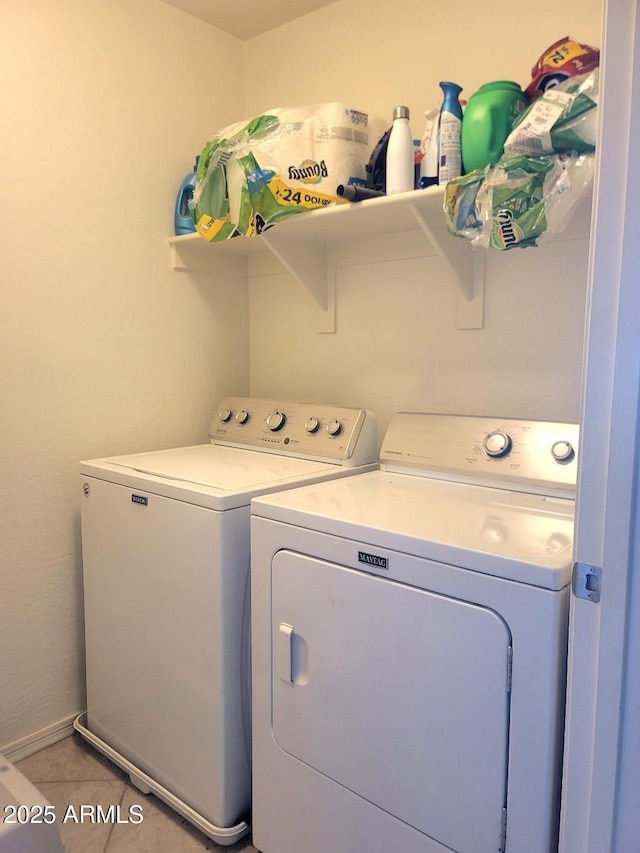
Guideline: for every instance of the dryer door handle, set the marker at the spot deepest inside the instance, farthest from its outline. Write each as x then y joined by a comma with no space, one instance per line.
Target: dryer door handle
291,656
284,650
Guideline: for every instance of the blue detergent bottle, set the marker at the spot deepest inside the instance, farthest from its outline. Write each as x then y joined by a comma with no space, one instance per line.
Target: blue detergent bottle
184,223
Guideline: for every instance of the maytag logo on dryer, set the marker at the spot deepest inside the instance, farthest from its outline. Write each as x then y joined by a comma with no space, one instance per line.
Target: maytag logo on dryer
139,499
373,560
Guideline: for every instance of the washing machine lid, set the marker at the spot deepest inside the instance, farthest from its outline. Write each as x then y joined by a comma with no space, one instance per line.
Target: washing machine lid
224,468
210,475
514,535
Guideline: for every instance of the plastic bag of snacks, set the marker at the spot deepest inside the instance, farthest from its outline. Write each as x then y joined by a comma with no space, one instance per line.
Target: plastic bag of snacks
254,173
513,203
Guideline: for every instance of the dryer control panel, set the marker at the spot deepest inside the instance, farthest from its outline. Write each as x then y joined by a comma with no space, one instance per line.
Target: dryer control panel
521,455
336,434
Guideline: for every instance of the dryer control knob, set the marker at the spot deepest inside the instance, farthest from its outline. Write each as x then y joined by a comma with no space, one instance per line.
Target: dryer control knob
242,417
496,444
312,425
225,415
334,427
562,451
276,420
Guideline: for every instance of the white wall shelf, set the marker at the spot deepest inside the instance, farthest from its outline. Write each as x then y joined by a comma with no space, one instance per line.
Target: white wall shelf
302,244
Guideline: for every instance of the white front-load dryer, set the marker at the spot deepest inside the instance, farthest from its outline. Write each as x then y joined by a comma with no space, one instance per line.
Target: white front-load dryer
165,544
409,630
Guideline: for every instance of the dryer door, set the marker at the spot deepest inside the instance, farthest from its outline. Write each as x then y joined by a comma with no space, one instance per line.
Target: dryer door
397,693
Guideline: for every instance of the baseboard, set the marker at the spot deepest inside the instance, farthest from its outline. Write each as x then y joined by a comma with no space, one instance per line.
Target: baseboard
36,741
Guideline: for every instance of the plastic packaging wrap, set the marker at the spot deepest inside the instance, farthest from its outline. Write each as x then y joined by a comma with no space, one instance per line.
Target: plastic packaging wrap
563,119
254,173
546,169
512,204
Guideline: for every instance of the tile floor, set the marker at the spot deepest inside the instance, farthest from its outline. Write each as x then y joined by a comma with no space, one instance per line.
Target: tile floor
71,772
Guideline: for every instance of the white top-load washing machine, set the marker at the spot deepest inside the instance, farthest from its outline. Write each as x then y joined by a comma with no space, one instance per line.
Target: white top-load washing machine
165,541
409,632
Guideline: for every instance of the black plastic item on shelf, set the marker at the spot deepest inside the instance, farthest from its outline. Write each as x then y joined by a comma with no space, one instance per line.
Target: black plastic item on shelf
353,192
377,165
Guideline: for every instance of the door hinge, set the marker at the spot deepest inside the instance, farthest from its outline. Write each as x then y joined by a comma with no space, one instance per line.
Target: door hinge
509,667
503,832
586,582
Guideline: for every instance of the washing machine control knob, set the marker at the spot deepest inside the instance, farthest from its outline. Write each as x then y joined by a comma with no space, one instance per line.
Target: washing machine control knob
334,427
496,444
242,417
562,451
225,415
312,425
276,420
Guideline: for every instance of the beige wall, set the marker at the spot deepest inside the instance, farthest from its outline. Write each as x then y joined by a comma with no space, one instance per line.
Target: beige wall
397,345
373,54
103,348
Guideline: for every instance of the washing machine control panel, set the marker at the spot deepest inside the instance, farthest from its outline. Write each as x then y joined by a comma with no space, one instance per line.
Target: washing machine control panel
308,430
536,456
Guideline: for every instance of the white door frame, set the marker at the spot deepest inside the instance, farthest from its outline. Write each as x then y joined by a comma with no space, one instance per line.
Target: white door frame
600,726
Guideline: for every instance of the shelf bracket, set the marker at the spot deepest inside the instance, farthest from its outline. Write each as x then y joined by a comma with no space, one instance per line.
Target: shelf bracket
466,268
327,319
176,261
470,312
309,264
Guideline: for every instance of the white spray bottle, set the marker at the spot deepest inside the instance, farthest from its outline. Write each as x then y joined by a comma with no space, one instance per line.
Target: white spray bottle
450,134
429,145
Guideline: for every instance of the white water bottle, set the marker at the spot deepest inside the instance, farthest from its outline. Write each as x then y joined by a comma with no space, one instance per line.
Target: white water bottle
400,154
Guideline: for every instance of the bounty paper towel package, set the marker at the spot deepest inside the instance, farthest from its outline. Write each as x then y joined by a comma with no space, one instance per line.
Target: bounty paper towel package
514,203
254,173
